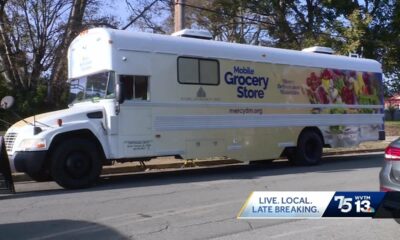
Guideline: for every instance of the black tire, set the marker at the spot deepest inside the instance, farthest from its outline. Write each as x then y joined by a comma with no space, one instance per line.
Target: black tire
309,149
396,214
76,163
290,154
41,176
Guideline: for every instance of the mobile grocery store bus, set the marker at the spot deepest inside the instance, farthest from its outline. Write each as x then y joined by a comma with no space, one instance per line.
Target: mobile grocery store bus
136,96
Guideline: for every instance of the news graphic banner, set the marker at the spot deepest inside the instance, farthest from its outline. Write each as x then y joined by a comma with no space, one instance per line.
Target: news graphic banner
6,181
323,204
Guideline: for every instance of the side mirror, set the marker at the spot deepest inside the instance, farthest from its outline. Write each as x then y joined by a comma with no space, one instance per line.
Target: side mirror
7,102
119,93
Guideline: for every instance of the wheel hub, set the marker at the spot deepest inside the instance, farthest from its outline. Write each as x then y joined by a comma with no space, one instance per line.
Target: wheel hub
77,164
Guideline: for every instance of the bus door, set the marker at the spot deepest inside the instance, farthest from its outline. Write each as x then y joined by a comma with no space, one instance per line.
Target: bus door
135,117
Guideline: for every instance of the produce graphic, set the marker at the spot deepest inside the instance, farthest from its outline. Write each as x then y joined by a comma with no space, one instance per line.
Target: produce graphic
334,95
343,136
316,91
334,86
367,88
326,77
347,93
323,95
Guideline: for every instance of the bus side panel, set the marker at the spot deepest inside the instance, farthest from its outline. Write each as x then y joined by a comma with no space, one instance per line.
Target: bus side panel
256,110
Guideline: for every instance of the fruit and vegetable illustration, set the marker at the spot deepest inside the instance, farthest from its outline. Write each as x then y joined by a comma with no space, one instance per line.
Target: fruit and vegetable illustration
333,86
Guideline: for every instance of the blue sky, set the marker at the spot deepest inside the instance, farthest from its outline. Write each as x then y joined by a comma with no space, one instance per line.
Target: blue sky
120,10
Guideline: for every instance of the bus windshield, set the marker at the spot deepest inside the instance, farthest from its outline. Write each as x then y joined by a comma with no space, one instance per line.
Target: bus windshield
92,87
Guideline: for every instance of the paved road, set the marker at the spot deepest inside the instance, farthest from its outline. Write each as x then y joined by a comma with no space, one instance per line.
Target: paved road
191,204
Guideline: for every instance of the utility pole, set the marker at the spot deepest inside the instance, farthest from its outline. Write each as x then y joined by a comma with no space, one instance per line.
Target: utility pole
179,18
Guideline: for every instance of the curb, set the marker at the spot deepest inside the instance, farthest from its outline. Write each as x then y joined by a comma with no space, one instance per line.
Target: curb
200,163
374,150
21,177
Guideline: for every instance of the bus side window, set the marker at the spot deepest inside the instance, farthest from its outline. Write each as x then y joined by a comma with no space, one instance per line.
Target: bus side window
135,87
198,71
142,88
127,82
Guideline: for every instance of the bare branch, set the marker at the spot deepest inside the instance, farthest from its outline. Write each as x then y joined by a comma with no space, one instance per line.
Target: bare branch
145,9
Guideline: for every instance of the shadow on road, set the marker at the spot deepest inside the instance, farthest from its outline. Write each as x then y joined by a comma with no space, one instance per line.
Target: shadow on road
58,229
237,171
240,171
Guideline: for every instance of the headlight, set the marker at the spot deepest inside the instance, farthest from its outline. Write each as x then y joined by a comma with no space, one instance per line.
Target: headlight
32,144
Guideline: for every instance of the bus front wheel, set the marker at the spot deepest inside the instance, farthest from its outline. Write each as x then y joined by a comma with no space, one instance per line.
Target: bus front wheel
76,163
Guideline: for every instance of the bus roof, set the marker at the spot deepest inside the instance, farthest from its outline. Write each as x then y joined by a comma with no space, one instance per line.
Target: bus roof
149,42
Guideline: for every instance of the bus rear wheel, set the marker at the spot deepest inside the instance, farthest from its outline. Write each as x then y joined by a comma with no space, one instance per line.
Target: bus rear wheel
309,149
76,163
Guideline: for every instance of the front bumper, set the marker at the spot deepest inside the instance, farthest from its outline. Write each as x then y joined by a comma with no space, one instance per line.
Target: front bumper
386,179
29,162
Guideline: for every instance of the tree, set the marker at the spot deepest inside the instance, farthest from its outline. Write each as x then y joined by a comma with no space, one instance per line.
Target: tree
150,15
287,24
82,15
391,49
34,38
28,31
229,20
35,34
71,29
392,110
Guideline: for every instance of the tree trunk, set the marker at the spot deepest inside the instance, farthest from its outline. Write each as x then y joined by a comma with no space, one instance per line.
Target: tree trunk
72,29
7,53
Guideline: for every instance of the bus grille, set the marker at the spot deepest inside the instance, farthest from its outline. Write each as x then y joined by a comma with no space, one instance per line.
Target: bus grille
9,140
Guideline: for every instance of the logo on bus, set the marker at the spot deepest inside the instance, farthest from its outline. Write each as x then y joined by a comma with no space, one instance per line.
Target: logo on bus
249,85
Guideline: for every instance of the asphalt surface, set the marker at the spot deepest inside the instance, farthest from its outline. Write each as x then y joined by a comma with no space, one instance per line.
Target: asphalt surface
199,203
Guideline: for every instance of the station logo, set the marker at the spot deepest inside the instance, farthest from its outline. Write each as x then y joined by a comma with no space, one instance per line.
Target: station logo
324,204
249,84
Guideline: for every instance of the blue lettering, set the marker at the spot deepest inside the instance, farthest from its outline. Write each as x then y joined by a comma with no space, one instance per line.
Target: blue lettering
241,80
244,92
240,92
236,69
243,70
265,81
228,78
238,77
261,93
249,81
256,81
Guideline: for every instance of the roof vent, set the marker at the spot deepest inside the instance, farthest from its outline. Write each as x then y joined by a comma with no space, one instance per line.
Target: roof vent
317,49
190,33
354,55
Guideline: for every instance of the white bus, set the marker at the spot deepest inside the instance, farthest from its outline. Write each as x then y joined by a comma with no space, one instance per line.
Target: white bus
136,96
